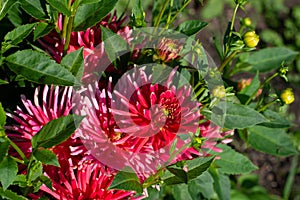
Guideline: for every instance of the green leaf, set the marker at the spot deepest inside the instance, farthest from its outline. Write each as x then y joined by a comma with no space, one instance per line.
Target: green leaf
202,184
197,166
232,162
181,192
137,18
88,15
191,27
20,180
2,82
2,116
17,35
275,120
39,68
10,195
178,172
212,9
14,15
127,180
74,62
8,171
41,30
34,170
270,140
270,58
47,181
4,146
61,6
236,116
221,184
56,131
87,1
5,8
33,8
46,157
170,179
113,43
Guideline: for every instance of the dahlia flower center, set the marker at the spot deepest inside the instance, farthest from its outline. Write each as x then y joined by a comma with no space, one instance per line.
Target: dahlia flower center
157,107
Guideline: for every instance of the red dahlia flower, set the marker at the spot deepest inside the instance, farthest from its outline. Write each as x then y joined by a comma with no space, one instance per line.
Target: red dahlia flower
137,123
56,102
87,180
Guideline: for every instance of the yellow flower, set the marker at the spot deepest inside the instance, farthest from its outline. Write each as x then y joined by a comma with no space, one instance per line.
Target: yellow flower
287,96
251,39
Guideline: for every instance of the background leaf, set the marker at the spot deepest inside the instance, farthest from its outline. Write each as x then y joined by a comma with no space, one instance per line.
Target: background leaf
41,30
61,6
56,131
10,195
88,15
39,68
270,140
234,116
113,43
17,35
126,180
232,162
270,58
46,157
275,120
221,184
5,8
74,63
8,171
191,27
33,8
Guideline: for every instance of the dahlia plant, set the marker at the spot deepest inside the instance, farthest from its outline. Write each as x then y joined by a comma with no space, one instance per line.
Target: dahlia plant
132,107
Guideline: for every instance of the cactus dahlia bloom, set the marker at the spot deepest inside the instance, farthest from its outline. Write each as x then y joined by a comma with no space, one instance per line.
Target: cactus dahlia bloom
56,102
168,49
87,180
139,124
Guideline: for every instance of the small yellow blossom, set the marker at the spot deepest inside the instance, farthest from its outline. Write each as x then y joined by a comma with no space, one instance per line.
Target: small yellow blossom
287,96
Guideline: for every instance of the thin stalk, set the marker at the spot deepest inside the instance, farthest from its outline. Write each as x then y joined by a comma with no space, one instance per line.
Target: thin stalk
156,24
231,27
177,13
67,28
17,160
227,60
267,105
290,179
18,150
261,86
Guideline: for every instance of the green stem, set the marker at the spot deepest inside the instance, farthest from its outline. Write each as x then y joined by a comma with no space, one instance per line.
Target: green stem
67,27
18,150
177,13
18,160
227,60
290,179
267,105
231,28
156,24
261,86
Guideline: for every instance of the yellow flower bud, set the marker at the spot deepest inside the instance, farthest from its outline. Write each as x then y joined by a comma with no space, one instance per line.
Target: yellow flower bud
247,21
251,39
287,96
219,91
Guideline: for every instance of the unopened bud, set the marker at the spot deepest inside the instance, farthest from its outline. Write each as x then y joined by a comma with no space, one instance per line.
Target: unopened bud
251,39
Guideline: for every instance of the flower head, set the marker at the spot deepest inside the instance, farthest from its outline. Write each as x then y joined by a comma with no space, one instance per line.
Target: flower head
56,102
251,39
168,49
87,180
287,96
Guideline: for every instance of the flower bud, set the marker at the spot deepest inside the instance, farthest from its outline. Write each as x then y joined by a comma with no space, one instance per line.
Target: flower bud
251,39
247,21
287,96
219,91
240,2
